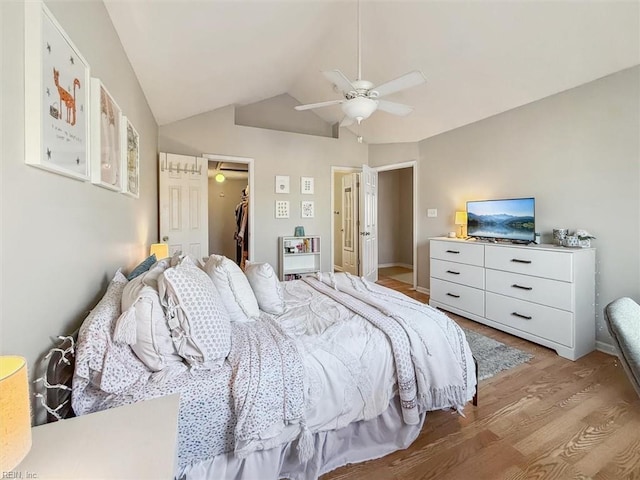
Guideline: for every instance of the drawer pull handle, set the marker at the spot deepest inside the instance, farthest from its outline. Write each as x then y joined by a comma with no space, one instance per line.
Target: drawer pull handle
517,260
453,273
519,315
453,295
515,285
453,251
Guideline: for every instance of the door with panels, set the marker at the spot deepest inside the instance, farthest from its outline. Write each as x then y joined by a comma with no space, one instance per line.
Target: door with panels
183,202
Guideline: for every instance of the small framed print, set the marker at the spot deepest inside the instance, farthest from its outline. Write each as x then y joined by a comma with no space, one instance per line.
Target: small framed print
282,208
282,183
106,138
130,159
306,210
306,185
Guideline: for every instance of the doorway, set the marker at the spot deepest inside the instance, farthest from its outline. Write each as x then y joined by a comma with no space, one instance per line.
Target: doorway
397,239
230,181
338,221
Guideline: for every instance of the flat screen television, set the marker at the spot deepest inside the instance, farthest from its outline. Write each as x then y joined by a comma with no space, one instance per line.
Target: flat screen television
510,219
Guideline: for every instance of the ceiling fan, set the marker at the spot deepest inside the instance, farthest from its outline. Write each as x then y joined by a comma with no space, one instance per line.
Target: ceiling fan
361,97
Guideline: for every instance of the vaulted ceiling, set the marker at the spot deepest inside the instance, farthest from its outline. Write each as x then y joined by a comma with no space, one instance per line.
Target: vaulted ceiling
480,57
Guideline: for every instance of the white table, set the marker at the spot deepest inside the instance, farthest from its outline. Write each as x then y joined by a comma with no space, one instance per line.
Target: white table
135,441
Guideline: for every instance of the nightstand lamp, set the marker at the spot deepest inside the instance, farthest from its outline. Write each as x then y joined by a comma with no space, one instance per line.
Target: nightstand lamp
461,220
15,417
160,249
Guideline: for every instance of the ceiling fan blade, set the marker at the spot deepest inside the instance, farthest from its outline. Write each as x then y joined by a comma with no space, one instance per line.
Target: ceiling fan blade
318,105
346,121
408,80
394,108
339,80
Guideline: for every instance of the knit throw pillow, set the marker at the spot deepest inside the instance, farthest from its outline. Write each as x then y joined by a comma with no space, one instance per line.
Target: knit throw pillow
198,321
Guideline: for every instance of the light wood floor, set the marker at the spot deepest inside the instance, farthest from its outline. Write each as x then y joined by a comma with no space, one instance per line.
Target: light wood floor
550,418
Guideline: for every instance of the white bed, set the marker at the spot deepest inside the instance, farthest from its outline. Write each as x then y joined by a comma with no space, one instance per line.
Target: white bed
339,347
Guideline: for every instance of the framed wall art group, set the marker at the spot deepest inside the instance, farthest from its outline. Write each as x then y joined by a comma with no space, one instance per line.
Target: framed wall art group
73,125
282,209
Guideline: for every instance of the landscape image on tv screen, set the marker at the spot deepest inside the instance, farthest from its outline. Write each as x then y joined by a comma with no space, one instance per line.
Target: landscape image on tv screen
512,219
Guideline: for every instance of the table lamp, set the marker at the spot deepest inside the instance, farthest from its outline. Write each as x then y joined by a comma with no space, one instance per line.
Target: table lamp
160,249
461,219
15,416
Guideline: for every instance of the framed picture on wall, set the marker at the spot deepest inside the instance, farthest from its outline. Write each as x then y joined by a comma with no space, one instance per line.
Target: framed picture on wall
306,209
306,185
282,208
130,159
106,138
282,183
56,86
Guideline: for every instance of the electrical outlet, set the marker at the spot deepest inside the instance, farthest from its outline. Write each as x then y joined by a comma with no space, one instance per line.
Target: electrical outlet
432,212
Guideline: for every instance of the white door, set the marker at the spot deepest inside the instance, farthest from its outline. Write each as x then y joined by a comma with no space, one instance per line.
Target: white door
183,193
350,223
368,216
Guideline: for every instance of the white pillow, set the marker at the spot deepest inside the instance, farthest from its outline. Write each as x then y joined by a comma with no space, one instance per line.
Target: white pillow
233,286
198,321
143,324
266,287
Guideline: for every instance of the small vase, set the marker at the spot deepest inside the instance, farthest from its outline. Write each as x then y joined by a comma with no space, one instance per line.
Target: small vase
586,243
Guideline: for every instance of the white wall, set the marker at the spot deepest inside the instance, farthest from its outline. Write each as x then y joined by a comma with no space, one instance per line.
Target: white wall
576,152
274,153
62,239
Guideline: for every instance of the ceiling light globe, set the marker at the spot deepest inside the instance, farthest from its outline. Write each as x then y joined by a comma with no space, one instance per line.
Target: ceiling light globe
219,178
359,107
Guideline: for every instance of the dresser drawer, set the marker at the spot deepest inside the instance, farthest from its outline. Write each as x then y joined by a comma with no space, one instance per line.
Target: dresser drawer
469,275
530,261
546,322
553,293
465,298
457,252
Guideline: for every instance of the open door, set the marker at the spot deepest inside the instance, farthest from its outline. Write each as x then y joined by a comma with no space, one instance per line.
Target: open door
183,199
368,216
350,223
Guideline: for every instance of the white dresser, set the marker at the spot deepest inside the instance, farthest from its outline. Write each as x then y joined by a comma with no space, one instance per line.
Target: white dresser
543,293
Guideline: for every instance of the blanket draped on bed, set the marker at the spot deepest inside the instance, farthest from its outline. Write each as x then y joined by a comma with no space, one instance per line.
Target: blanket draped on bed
268,385
424,381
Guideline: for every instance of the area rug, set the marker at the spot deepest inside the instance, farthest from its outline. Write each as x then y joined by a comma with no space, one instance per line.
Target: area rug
493,357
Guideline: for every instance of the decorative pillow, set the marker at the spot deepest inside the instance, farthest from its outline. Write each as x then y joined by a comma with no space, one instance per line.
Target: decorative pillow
233,286
143,324
106,365
199,323
266,287
142,267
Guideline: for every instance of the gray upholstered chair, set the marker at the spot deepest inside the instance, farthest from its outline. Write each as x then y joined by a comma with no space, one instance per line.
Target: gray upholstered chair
623,320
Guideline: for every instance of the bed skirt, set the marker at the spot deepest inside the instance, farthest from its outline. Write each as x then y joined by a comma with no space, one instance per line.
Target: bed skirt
357,442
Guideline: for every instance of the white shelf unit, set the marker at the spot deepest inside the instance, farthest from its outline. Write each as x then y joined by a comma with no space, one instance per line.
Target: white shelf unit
543,293
298,256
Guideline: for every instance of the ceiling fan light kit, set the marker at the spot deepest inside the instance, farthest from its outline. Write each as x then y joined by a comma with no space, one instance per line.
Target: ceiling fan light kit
361,96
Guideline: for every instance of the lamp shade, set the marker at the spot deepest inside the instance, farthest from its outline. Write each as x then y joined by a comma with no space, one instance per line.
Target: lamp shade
15,416
160,249
461,218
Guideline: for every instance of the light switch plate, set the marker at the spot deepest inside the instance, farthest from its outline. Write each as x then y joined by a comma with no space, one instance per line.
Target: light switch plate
432,212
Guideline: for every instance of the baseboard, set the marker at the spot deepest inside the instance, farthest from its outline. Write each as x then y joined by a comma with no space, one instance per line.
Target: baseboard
423,290
606,348
336,268
387,265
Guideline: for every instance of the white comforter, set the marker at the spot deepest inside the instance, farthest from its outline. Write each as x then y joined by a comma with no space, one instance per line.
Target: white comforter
349,371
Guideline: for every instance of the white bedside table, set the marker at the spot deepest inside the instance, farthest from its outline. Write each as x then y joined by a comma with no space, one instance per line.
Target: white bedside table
135,441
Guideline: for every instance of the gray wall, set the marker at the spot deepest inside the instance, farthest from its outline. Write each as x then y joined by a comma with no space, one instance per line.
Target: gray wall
223,199
395,217
62,239
277,113
274,153
576,152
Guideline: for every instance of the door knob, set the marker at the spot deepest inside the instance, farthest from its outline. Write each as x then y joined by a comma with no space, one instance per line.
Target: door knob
165,239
